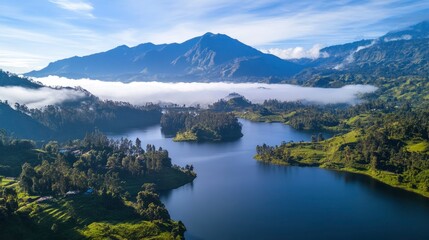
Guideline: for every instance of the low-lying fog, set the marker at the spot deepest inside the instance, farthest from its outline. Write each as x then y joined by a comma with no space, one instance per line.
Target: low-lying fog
37,98
203,93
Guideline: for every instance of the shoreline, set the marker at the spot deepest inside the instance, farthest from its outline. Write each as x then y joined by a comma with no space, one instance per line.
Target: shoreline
378,177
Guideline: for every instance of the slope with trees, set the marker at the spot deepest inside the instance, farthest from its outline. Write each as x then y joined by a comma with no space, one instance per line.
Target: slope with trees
81,189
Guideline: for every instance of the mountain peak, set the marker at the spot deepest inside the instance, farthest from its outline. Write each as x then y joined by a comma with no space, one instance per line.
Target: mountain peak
216,36
208,34
215,57
121,47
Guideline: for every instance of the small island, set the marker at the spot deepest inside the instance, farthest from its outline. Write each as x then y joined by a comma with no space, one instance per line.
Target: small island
201,126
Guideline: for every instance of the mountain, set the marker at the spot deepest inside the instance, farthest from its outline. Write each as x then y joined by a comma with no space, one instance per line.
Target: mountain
217,57
398,53
210,57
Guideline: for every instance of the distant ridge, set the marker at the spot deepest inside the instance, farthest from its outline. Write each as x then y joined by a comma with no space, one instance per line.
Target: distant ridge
397,53
218,57
210,57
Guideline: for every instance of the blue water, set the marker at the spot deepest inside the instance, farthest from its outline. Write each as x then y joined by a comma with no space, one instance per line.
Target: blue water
236,197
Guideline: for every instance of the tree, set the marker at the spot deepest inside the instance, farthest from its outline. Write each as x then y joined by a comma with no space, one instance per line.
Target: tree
150,187
26,179
348,156
8,201
374,163
51,147
138,145
149,205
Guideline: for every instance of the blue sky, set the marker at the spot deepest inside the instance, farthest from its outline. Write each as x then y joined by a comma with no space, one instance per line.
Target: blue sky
36,32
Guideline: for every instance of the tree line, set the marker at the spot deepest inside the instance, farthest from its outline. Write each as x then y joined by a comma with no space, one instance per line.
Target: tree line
95,162
205,125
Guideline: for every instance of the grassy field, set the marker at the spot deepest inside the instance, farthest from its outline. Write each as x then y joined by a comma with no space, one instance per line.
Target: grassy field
4,182
255,117
83,217
187,136
418,145
131,230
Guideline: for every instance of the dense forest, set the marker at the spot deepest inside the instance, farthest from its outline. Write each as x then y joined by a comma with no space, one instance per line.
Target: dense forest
74,121
8,79
201,126
84,178
14,153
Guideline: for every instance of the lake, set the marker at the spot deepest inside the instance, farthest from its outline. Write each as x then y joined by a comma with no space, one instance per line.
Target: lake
236,197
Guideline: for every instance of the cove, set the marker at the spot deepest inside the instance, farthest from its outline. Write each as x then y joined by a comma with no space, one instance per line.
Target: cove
236,197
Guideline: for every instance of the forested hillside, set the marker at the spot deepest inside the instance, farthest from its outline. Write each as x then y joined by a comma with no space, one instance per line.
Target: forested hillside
79,190
386,136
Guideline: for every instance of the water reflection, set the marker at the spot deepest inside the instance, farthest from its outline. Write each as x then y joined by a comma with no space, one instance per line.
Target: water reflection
166,194
266,168
381,189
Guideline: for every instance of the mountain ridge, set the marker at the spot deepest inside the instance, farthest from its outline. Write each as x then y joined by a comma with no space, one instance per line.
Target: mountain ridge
210,57
218,57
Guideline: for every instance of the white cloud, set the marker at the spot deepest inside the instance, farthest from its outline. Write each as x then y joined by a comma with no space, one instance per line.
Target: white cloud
298,52
37,98
77,6
403,37
338,22
206,93
18,62
351,57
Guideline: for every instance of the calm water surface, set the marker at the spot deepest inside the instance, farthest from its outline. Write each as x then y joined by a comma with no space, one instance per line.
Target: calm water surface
236,197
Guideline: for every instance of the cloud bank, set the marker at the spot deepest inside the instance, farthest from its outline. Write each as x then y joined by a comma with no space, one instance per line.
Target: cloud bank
37,98
207,93
298,52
